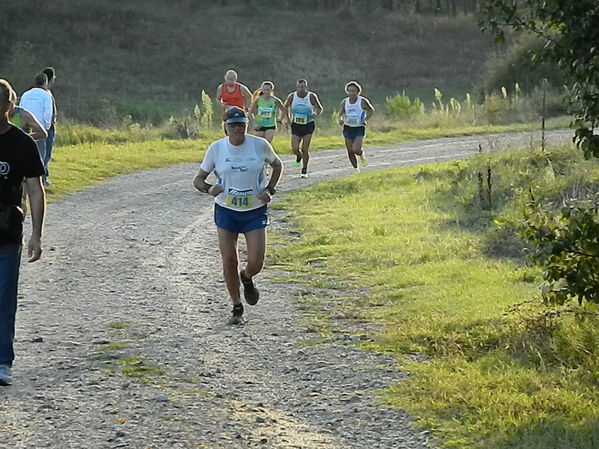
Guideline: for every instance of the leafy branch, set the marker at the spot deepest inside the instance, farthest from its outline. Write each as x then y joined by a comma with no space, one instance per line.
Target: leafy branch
571,31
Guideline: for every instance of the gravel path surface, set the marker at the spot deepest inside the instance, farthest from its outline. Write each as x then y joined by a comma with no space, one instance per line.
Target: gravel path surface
122,341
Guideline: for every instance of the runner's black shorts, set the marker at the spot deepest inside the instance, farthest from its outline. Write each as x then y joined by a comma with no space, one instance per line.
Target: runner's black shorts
302,130
265,128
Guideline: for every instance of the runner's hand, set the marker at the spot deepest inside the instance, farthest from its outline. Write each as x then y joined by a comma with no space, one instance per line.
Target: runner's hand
34,249
215,190
265,197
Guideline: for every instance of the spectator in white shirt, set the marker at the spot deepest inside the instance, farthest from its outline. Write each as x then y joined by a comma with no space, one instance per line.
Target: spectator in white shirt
51,74
39,102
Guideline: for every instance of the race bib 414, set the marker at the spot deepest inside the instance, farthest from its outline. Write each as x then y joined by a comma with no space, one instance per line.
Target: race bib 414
240,199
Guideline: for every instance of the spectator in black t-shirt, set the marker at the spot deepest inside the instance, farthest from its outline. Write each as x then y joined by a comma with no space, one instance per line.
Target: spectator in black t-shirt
19,161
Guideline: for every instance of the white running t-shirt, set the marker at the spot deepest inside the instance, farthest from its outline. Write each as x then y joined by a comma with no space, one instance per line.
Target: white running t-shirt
240,170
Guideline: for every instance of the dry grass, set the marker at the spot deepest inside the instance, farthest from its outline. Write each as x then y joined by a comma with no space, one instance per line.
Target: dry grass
115,59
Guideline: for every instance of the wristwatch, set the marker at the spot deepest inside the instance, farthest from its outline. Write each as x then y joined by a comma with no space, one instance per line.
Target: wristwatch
205,188
271,190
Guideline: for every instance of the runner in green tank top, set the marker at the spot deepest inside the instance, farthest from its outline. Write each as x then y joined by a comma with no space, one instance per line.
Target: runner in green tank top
264,111
16,117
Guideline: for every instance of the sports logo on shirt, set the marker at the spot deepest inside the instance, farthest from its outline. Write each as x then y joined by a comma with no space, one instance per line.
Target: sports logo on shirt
4,169
239,168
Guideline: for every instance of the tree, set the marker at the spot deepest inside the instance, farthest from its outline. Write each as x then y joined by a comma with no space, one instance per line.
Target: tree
566,245
571,33
564,242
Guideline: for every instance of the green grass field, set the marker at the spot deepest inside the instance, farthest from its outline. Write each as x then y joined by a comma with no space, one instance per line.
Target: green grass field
409,250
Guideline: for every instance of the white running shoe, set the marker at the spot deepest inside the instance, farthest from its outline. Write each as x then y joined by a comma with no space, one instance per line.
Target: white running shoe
5,375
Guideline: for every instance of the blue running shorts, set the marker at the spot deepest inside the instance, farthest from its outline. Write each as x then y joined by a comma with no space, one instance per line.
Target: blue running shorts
240,222
351,132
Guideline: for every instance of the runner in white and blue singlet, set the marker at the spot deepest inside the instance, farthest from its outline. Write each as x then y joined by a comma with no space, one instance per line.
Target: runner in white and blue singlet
305,107
353,115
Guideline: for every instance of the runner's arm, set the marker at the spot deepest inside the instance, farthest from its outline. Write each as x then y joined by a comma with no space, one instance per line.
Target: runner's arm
341,113
219,98
252,109
247,96
206,167
286,107
281,108
37,202
30,122
199,182
277,169
318,109
368,107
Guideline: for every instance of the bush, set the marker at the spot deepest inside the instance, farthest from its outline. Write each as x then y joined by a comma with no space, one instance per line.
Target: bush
401,106
496,107
556,103
566,245
515,66
189,125
206,111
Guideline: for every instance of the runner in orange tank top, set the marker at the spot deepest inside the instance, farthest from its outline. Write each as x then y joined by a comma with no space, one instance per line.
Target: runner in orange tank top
232,98
233,94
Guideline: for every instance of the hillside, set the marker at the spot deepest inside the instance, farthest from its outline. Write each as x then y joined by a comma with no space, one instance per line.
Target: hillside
150,59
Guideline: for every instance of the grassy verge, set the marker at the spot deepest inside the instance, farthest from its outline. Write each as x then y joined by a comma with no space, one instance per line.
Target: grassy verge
94,155
74,167
500,369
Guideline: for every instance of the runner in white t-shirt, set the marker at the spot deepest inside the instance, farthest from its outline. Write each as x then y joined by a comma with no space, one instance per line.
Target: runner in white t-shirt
241,195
